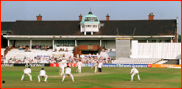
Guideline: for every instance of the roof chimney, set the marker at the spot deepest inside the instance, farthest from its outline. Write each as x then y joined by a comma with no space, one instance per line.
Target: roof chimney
107,17
151,16
39,18
80,17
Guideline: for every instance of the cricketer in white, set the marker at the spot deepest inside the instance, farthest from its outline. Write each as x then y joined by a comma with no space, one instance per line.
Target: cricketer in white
134,71
61,66
42,74
79,64
27,71
68,72
95,65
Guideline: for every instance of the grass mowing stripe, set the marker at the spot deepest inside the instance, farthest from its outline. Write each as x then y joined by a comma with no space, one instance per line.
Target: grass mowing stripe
109,78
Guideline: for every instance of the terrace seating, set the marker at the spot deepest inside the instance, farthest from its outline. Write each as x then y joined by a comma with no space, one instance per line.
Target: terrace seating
21,53
136,60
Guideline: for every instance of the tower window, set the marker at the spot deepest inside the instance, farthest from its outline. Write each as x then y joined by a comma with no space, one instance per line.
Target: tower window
94,25
88,26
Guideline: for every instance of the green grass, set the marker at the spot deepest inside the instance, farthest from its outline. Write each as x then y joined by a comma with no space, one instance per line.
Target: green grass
109,78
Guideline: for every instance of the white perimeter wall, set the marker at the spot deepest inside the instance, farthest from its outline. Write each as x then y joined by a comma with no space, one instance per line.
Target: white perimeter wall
2,51
157,50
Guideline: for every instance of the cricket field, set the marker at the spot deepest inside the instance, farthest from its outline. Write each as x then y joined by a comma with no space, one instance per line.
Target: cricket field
109,78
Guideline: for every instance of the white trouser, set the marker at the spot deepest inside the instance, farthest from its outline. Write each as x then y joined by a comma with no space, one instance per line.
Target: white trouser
41,76
95,69
28,75
69,75
62,70
79,69
134,75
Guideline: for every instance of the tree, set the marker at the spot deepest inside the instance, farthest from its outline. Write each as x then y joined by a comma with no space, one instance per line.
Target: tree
179,38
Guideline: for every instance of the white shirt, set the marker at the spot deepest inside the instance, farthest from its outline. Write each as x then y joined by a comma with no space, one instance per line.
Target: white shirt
42,72
79,64
27,70
95,64
100,65
134,70
68,70
62,64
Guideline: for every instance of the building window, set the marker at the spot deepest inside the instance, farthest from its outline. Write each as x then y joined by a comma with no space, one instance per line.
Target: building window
82,26
167,41
88,25
88,33
94,26
64,43
152,41
142,41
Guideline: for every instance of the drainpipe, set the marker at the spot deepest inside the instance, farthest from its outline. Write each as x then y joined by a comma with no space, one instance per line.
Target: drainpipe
177,28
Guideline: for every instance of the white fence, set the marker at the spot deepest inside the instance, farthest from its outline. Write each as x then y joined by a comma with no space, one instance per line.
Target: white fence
2,51
156,50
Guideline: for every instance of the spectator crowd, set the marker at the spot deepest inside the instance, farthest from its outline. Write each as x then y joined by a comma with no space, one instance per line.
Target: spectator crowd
49,59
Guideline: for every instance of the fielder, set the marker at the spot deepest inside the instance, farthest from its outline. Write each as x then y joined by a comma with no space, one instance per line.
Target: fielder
95,66
100,67
27,71
134,71
61,66
68,72
42,74
79,64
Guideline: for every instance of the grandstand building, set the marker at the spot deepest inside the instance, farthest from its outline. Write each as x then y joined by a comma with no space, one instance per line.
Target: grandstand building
88,35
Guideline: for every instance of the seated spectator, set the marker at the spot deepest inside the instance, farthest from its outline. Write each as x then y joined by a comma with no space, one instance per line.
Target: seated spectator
47,47
16,61
2,61
10,60
60,49
20,48
29,50
104,59
55,50
55,59
104,48
42,48
33,46
63,55
66,49
27,46
23,47
26,49
37,47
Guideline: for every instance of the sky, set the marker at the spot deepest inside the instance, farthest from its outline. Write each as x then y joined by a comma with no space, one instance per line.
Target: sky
70,10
